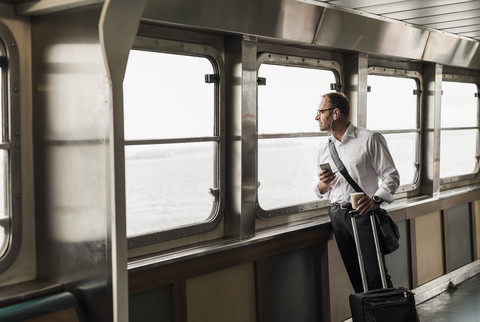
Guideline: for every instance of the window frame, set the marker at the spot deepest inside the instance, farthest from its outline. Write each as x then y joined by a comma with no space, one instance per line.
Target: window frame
159,45
469,80
417,77
10,109
300,62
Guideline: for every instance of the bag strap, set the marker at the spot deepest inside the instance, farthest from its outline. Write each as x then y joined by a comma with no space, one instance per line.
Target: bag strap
341,166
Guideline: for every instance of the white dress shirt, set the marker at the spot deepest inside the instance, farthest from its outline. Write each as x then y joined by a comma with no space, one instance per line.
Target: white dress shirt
366,157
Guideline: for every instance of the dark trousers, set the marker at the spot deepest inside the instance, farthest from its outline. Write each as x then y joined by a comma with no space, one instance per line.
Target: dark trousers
342,230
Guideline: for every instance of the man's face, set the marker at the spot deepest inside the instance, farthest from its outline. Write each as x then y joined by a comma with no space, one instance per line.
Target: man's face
324,115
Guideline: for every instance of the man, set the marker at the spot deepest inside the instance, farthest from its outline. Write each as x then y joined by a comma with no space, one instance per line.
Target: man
366,156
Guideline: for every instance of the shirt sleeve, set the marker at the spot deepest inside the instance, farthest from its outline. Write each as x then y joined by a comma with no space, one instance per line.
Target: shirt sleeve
385,167
321,158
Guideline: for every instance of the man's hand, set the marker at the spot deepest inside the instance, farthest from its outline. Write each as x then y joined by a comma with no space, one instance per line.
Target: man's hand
366,204
326,177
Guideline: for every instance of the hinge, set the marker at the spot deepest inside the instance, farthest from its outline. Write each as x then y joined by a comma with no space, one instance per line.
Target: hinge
335,86
212,78
477,95
3,62
261,81
369,89
417,92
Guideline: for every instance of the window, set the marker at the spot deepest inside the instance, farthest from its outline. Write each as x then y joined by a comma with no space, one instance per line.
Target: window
171,143
397,119
10,203
4,213
288,135
459,130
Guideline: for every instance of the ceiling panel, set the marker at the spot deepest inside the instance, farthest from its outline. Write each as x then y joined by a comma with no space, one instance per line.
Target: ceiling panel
459,17
432,11
454,16
463,29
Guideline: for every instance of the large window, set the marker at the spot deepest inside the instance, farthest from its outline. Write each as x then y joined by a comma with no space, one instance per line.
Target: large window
288,135
10,198
171,141
459,147
393,109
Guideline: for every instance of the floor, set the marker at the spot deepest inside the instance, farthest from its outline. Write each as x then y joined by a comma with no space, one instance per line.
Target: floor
457,304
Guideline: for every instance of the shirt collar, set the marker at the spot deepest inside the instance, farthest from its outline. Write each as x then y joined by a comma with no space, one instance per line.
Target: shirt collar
350,132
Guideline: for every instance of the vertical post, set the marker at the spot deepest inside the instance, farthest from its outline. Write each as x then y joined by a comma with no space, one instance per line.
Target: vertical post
356,73
430,171
118,27
241,114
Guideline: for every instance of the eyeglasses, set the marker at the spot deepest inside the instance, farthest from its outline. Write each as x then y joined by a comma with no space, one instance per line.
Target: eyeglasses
319,112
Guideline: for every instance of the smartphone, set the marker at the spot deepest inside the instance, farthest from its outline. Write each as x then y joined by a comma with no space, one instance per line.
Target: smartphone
325,166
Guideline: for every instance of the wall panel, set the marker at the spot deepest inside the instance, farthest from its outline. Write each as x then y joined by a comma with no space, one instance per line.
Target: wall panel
293,286
429,237
151,305
340,287
459,236
398,263
224,295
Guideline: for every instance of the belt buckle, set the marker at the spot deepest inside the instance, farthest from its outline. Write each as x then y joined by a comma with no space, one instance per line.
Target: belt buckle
344,205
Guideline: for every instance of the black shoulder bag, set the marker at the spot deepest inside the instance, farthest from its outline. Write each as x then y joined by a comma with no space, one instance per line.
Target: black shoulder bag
387,226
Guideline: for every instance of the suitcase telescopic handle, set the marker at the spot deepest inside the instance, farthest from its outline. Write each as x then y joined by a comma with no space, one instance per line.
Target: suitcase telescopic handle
353,215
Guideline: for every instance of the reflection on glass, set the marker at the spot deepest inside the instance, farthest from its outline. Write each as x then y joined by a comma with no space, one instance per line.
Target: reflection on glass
163,100
457,152
168,185
286,171
391,104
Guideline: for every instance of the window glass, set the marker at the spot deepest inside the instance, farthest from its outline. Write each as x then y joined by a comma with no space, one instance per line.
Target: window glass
403,147
3,241
287,104
286,171
392,109
158,179
10,216
457,152
165,96
3,196
459,104
3,184
458,147
391,104
2,76
167,182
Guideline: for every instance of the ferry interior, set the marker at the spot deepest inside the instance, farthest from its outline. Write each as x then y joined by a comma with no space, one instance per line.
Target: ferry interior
157,156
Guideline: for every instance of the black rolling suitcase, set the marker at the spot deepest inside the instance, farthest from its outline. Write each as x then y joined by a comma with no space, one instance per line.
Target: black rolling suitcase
387,304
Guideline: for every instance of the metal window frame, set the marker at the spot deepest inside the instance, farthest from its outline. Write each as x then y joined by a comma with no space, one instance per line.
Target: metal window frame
293,61
476,172
10,109
213,55
417,77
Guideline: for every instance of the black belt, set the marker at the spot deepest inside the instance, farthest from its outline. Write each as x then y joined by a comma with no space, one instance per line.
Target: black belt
342,205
